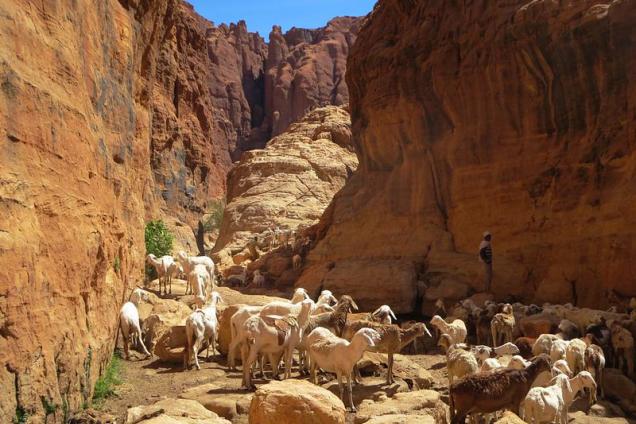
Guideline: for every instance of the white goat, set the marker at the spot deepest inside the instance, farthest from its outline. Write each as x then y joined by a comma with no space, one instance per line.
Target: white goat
326,297
383,315
490,364
236,324
300,294
198,279
575,355
188,263
165,268
201,326
550,404
337,355
456,329
543,344
272,336
129,321
258,279
558,349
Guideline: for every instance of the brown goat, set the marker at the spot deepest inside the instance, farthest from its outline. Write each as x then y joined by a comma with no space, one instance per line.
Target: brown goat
524,344
492,391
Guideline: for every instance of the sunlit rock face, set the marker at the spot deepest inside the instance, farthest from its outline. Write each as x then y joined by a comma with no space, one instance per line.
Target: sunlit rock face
515,118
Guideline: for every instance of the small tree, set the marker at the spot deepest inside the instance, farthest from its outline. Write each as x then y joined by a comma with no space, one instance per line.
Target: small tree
158,242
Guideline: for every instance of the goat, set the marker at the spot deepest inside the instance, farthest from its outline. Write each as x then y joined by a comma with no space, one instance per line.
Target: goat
189,262
337,355
490,392
456,329
165,268
595,365
272,336
201,326
502,326
392,339
129,321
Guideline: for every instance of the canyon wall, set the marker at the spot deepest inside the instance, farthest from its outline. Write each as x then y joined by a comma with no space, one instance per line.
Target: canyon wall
217,91
306,69
516,117
76,92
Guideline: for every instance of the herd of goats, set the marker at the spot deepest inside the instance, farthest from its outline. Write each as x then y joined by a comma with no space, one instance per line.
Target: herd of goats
499,355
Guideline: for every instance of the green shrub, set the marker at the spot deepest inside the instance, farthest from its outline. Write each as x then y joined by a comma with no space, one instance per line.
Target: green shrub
49,407
158,242
116,264
217,208
21,416
105,385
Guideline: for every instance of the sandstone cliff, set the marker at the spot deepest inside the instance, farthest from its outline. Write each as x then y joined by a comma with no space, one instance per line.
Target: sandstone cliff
75,107
215,97
289,183
516,117
306,69
208,97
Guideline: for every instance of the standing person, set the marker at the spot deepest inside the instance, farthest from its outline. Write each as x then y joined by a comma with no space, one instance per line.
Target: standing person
485,256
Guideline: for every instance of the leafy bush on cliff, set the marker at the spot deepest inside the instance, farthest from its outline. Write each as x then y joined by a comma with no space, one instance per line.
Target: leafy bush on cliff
158,242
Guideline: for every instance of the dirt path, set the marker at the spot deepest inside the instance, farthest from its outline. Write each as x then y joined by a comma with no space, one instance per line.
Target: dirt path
147,381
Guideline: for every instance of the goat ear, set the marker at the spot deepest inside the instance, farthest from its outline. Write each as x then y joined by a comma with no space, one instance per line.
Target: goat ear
392,314
353,304
428,332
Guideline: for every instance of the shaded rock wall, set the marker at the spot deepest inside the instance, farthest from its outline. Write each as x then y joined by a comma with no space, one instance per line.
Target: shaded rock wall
515,117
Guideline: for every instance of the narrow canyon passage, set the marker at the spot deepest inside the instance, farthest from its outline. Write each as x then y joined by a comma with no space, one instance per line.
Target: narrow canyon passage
424,191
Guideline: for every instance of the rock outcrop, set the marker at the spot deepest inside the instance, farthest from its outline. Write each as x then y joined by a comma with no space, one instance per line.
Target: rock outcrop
295,402
513,118
289,183
306,69
173,411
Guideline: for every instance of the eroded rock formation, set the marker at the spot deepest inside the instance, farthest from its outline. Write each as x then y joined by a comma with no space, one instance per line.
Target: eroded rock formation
217,91
290,182
305,69
515,117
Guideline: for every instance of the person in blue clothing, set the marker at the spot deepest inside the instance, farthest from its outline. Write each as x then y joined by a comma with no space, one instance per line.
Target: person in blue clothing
485,256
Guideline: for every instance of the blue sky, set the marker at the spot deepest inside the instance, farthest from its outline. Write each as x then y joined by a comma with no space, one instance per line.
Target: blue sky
260,15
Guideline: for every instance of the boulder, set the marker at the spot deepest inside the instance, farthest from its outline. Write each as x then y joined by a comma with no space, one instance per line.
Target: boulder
510,418
448,288
402,419
218,400
159,316
295,402
422,403
580,417
170,345
173,411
